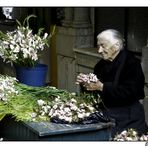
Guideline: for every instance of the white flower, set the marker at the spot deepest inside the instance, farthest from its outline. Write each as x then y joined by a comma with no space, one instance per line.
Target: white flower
40,102
69,114
144,138
45,35
134,133
1,88
16,49
130,135
52,87
61,117
55,106
7,87
66,109
61,112
25,52
81,115
48,107
73,93
91,108
51,112
57,99
129,139
73,100
82,105
56,113
61,106
74,108
45,109
87,114
4,99
2,95
124,132
120,139
42,113
33,115
68,119
5,42
88,78
16,46
12,46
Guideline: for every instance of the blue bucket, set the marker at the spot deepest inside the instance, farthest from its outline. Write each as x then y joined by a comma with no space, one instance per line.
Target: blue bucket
32,76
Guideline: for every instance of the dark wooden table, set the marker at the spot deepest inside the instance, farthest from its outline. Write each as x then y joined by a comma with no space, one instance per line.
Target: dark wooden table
47,131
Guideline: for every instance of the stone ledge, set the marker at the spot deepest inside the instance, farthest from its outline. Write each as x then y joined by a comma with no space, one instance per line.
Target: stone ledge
87,51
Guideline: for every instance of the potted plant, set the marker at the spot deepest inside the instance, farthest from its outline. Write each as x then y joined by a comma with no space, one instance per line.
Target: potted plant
22,49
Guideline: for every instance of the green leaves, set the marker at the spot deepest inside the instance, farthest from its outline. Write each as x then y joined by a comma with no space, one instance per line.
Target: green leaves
24,104
40,31
26,21
3,36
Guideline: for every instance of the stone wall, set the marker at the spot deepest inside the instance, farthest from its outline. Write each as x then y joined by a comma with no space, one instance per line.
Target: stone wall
75,32
145,70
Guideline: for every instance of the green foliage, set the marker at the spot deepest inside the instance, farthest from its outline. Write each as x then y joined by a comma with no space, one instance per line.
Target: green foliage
22,105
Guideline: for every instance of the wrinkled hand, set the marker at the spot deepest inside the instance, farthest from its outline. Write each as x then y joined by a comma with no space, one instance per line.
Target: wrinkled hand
89,82
81,79
92,86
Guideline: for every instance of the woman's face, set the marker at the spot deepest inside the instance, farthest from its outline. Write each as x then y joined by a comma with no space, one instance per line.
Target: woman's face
107,48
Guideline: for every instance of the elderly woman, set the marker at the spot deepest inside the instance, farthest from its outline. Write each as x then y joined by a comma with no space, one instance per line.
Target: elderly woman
120,84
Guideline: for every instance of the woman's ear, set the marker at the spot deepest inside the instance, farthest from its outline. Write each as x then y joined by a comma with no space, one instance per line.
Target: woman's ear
117,46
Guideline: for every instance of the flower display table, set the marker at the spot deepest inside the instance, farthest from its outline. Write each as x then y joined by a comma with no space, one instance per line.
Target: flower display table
12,130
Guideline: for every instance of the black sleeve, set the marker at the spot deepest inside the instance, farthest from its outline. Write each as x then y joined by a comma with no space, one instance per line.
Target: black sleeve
129,88
98,68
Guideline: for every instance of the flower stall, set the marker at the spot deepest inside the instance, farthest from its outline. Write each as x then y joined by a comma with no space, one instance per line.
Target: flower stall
48,113
30,110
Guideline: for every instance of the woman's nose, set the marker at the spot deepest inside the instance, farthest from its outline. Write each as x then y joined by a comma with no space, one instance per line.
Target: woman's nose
100,49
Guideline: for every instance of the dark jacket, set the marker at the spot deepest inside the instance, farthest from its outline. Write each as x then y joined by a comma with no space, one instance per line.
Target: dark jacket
123,80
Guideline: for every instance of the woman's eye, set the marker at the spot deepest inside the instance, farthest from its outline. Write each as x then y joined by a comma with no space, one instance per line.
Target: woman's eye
98,46
102,45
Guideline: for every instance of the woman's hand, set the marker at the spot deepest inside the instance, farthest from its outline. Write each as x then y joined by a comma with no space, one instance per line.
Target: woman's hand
92,86
81,78
89,82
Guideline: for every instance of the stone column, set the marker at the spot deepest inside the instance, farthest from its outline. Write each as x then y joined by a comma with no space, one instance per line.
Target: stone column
145,70
75,32
83,28
67,22
81,17
145,65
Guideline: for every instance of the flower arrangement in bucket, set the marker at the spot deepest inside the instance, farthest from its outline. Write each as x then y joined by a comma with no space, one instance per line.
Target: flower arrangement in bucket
22,48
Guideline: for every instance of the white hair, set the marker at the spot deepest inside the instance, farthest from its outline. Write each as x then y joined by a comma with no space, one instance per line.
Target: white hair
112,35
